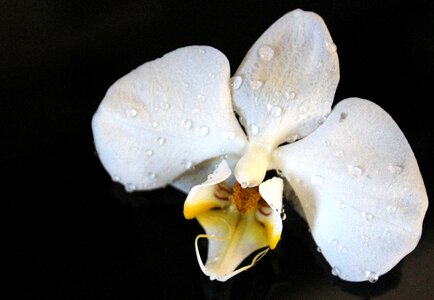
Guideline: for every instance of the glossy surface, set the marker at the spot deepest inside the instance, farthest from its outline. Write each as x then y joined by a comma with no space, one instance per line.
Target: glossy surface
71,233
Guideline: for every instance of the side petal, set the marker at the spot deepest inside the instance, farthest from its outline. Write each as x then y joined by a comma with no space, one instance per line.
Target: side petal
360,188
272,192
212,193
165,117
286,83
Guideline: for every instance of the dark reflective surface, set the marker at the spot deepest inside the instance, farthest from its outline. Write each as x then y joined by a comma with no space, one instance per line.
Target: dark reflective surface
70,233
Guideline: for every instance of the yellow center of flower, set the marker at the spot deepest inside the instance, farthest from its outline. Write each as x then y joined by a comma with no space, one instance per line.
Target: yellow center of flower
245,199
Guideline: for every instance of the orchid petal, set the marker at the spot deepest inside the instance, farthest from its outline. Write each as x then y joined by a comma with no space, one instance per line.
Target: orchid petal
286,83
209,194
232,237
360,187
200,172
272,192
165,117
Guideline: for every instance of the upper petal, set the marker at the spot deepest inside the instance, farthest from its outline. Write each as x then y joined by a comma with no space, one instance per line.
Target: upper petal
165,117
360,188
286,83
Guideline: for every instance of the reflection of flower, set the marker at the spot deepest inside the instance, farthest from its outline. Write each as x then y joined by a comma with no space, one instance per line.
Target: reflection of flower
246,220
360,190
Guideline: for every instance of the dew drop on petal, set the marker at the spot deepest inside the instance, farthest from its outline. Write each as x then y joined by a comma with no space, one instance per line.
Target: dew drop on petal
372,276
342,116
292,138
201,98
276,111
202,131
256,84
254,129
283,216
391,209
266,53
211,75
318,249
130,187
331,47
154,124
230,135
187,164
335,271
368,216
149,152
244,185
116,178
185,84
187,123
395,169
341,205
165,105
289,95
161,140
210,176
303,108
131,112
317,180
355,171
334,243
340,153
236,82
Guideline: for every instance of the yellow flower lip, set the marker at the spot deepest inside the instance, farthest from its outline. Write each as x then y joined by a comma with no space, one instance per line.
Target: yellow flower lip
238,221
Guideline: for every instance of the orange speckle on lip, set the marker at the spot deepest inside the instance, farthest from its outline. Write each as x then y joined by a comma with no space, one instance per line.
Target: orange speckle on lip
245,199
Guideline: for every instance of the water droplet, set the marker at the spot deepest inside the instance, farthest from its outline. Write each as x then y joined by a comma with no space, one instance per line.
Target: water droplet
335,271
304,116
334,243
266,52
289,95
149,152
391,209
254,129
387,233
372,276
154,124
155,108
244,184
185,84
341,205
283,216
276,111
292,138
201,98
165,105
317,180
343,249
131,112
187,164
161,140
355,171
342,116
340,153
202,50
303,108
152,175
279,172
327,104
318,249
331,47
202,131
187,123
116,178
255,84
368,216
211,75
395,169
210,176
130,187
236,82
230,135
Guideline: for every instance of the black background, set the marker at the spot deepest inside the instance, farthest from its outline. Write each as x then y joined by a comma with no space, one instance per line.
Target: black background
70,233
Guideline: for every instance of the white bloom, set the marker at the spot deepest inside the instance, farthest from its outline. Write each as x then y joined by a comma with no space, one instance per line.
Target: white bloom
358,182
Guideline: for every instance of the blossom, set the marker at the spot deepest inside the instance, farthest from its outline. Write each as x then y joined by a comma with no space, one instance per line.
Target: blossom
357,182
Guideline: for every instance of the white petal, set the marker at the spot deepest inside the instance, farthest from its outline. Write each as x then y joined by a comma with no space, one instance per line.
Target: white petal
200,172
286,83
360,187
165,117
208,195
272,192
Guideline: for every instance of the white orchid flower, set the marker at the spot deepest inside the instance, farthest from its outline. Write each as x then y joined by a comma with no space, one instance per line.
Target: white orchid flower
171,120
